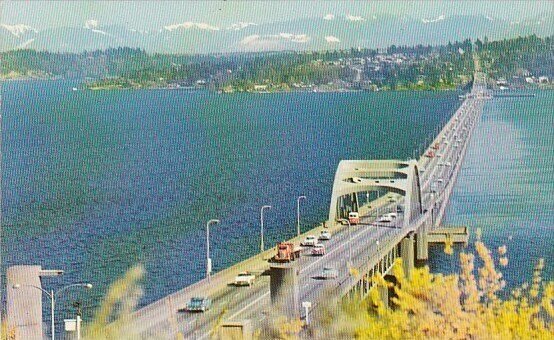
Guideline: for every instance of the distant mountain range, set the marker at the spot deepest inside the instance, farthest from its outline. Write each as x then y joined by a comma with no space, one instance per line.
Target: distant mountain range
329,32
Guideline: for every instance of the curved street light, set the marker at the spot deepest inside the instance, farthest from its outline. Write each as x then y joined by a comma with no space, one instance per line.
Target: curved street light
208,259
52,295
298,213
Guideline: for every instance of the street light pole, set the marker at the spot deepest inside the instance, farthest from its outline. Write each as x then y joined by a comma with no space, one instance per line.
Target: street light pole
298,214
378,207
52,298
208,259
52,295
262,226
395,211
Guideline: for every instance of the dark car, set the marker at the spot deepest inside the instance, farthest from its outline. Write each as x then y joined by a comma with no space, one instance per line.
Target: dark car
199,304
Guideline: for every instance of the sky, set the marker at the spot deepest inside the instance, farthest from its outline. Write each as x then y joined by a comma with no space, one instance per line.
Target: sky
150,15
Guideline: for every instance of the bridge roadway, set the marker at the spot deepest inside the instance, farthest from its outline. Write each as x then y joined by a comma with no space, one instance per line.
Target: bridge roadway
163,319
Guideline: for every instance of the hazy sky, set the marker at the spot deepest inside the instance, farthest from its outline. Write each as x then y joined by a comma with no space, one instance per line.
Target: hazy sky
156,14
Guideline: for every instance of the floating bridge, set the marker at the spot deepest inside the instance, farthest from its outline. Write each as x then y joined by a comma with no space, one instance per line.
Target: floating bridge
417,190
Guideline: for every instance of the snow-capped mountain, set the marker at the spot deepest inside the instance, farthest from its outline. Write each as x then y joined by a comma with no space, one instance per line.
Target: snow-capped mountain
332,31
16,36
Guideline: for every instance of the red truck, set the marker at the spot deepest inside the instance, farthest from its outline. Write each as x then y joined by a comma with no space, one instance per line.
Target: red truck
286,252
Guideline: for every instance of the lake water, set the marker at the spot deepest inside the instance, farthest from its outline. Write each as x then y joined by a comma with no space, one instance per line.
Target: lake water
505,186
95,182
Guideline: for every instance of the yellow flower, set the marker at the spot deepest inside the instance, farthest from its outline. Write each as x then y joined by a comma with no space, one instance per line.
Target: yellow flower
448,246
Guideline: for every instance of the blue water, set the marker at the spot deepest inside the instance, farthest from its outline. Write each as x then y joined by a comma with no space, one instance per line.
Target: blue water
95,182
505,187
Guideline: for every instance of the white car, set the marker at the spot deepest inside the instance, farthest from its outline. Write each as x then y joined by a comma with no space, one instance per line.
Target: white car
385,219
309,241
318,250
325,235
244,279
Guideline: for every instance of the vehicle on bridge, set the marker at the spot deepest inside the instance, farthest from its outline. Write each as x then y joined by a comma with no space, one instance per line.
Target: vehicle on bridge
325,235
318,250
354,217
309,241
245,279
329,273
199,304
386,219
286,252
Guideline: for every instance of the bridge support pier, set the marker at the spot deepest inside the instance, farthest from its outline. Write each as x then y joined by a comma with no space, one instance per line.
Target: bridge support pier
422,243
283,289
407,253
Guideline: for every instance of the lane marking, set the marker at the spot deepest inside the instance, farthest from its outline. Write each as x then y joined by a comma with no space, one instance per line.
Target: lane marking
248,305
205,335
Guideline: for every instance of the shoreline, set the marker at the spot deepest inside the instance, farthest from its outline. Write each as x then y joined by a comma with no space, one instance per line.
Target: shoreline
499,93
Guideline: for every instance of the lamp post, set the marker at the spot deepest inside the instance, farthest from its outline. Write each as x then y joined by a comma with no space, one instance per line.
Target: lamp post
78,319
298,214
349,241
395,211
378,206
208,259
262,226
307,305
52,295
433,207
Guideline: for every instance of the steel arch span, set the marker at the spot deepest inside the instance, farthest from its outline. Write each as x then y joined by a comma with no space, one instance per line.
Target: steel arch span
401,177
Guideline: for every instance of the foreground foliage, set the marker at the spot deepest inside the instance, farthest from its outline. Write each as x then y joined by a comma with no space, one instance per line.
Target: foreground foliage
459,306
116,308
467,305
